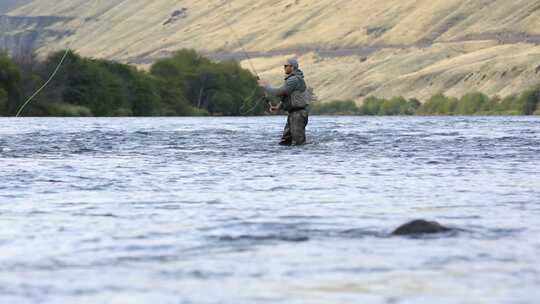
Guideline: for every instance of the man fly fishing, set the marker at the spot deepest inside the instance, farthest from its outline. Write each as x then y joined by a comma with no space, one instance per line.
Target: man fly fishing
295,98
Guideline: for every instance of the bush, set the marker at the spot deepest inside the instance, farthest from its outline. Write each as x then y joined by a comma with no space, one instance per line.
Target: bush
197,112
410,107
63,109
371,106
184,84
189,84
528,101
10,77
392,106
219,88
438,105
469,104
336,107
3,101
473,103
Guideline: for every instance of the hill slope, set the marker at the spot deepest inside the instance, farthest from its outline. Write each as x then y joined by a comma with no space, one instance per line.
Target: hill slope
349,49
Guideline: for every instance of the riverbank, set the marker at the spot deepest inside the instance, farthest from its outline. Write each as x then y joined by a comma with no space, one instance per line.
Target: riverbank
189,84
184,84
526,103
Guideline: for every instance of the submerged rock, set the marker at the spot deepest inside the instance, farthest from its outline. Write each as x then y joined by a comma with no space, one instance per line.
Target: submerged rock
420,227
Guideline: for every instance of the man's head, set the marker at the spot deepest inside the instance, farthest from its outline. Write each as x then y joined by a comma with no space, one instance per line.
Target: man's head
291,65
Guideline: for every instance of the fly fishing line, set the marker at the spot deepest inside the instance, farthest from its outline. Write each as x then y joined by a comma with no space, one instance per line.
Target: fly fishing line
55,71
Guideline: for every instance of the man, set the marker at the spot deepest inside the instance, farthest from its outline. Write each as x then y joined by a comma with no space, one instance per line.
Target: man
294,99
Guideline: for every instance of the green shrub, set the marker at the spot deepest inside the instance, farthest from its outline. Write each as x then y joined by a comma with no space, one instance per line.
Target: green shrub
335,107
508,104
371,106
10,77
3,102
528,101
122,112
393,106
187,83
68,110
510,113
223,88
437,105
198,112
473,103
410,107
184,84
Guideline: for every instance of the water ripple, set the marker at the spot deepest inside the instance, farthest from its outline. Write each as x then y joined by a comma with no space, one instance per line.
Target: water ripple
212,210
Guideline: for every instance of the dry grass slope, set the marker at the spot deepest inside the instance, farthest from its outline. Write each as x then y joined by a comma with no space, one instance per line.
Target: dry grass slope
421,47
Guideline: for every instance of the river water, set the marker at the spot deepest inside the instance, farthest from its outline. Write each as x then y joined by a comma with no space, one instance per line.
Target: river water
212,210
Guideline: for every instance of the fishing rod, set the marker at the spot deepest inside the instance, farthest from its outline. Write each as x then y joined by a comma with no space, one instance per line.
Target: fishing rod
250,62
237,38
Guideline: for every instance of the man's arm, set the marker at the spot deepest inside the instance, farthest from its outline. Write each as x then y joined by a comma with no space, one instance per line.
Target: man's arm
286,90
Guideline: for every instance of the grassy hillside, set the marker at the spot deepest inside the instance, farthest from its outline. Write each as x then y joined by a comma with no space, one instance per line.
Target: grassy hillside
349,49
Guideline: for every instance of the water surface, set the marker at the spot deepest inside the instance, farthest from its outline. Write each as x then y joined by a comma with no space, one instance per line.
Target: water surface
211,210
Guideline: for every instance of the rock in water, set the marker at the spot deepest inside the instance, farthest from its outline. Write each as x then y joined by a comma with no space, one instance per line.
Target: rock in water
420,227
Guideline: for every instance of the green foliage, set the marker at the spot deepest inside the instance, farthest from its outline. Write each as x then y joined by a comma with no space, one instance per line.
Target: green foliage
411,107
220,88
437,105
3,101
184,84
471,104
528,101
371,106
198,112
506,106
336,107
10,77
481,104
63,109
393,106
188,84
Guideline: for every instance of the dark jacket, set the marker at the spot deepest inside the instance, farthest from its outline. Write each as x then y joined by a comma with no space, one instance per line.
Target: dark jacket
293,82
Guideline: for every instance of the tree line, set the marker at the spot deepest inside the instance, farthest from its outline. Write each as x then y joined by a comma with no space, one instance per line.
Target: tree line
526,103
188,84
183,84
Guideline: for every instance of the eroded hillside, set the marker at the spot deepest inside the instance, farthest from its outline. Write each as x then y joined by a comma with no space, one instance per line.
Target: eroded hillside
349,49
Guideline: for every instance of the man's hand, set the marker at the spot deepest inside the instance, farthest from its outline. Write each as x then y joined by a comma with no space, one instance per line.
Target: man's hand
274,109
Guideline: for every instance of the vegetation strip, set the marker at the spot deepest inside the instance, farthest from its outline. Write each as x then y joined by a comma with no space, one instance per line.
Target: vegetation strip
189,84
184,84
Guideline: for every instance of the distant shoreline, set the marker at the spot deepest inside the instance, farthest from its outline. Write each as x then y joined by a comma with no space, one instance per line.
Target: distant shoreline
472,104
185,84
189,84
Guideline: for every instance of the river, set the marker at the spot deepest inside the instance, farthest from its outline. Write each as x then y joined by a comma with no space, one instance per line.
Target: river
212,210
